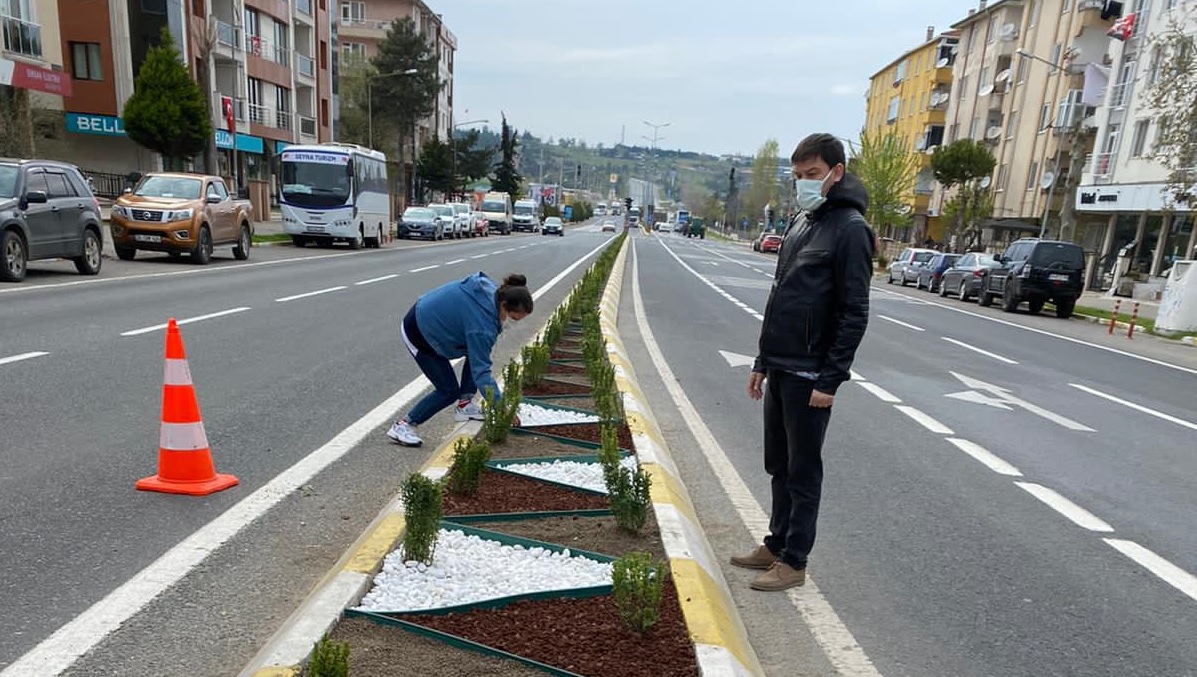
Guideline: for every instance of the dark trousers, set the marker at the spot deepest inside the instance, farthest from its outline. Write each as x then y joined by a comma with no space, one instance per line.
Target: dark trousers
439,370
794,460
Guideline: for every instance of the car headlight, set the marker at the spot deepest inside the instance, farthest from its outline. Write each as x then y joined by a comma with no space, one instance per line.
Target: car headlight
179,215
120,211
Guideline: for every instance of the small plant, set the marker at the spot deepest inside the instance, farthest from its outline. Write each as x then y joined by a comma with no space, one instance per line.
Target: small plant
499,415
608,453
329,659
535,363
628,491
638,581
422,513
882,262
469,460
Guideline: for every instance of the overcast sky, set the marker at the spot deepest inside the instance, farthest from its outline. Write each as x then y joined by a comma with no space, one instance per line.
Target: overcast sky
725,75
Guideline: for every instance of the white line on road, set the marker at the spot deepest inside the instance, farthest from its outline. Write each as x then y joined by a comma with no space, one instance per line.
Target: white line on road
924,420
189,320
986,457
880,393
1137,407
975,349
843,651
714,251
454,262
59,651
420,270
1169,572
1078,515
22,357
376,279
718,290
309,294
900,323
479,256
855,376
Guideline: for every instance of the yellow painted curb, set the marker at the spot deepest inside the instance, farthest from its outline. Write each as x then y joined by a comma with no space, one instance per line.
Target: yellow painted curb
375,547
710,622
277,672
666,488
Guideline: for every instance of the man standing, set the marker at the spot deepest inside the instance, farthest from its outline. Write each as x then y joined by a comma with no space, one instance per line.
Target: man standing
815,318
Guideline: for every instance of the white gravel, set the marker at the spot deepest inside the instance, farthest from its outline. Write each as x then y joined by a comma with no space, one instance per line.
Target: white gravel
468,569
573,473
535,415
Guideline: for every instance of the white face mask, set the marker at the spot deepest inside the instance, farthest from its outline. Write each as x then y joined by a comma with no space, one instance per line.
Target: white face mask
808,193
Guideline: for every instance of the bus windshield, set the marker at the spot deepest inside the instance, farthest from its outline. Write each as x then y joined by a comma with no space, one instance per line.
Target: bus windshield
316,179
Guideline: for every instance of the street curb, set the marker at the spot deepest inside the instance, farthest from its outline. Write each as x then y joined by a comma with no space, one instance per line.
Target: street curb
720,638
1118,324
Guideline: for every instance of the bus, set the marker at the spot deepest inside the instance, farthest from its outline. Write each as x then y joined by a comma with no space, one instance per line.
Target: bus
601,209
334,192
683,219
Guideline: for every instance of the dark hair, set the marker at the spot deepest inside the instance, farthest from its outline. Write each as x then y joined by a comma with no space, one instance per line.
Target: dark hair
823,146
513,295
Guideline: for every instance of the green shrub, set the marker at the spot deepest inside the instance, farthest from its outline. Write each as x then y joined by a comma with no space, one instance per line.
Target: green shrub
638,582
469,460
627,490
499,416
329,659
882,261
422,513
535,363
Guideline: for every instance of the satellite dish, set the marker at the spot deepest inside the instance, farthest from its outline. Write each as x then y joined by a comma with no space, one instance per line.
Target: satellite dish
1009,32
930,149
993,132
985,181
1004,76
1048,179
985,91
905,209
942,63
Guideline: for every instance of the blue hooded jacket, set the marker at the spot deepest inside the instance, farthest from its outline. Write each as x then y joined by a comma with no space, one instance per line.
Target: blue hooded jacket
461,318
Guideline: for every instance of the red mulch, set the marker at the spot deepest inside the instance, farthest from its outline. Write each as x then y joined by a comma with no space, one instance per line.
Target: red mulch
566,355
587,432
502,493
552,387
566,369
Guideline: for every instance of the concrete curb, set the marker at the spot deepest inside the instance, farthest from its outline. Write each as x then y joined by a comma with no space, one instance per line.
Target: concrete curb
1105,322
720,639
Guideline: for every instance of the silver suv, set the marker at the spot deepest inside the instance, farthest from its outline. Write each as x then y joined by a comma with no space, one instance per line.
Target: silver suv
47,211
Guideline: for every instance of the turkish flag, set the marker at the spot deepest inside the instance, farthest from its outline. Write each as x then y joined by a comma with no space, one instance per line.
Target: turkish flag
226,107
1122,28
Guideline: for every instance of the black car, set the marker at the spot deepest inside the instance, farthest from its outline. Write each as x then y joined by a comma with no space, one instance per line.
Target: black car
964,278
553,226
47,211
1036,271
931,274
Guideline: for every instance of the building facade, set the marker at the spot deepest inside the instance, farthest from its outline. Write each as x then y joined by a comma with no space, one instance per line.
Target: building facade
1123,190
909,98
31,67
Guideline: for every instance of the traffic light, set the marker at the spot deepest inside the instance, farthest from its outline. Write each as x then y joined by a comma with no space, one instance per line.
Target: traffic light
578,174
627,203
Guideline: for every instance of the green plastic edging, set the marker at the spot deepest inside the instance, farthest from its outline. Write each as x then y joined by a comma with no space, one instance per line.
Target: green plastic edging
509,539
458,642
582,444
521,516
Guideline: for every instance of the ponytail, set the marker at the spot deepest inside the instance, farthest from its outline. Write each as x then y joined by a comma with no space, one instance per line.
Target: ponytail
513,295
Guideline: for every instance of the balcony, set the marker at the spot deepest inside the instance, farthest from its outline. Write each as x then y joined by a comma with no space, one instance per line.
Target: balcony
282,119
1119,95
1101,165
263,48
22,37
304,7
306,65
228,35
307,126
239,112
363,28
259,115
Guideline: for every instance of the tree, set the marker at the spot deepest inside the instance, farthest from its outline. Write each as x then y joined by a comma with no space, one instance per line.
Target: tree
1170,95
506,177
763,189
473,159
961,163
436,166
887,169
166,113
978,205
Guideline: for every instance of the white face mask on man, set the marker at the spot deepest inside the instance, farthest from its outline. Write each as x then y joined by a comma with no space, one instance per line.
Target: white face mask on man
808,193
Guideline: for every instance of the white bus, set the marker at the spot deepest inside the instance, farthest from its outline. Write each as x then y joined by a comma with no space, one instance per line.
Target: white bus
335,192
601,209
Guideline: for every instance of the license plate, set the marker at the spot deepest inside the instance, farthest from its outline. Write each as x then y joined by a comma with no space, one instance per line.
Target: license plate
315,229
147,238
1058,277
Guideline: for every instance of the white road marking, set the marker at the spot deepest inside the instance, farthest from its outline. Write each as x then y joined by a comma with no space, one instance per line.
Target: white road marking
59,651
843,651
924,420
189,320
856,376
376,279
1137,407
310,294
718,290
1075,513
22,356
479,256
975,349
420,270
1003,395
1169,572
986,457
454,262
900,323
880,393
724,256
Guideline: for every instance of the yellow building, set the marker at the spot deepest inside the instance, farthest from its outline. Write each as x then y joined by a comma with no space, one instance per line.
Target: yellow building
910,97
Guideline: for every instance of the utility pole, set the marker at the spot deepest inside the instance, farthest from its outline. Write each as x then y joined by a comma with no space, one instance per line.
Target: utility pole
652,176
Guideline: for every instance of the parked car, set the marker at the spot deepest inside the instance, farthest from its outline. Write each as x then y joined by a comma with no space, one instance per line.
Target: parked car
497,208
756,244
930,274
665,227
448,220
771,244
465,223
553,226
1036,271
905,268
525,216
46,211
421,222
181,213
608,226
964,277
479,224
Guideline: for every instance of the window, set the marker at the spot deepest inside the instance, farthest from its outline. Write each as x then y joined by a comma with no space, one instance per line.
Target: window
1056,51
952,132
323,112
892,115
353,50
1012,125
901,72
85,61
323,55
353,13
1045,117
59,186
1067,6
254,89
973,128
983,80
1022,71
253,23
197,7
1139,140
282,99
1156,65
963,88
1032,176
993,29
1003,177
1036,7
36,180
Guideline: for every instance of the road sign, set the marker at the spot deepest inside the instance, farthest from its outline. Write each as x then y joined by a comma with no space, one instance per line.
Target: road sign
615,178
1001,398
569,212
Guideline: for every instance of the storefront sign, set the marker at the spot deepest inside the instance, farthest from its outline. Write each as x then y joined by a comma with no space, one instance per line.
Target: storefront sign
27,76
102,125
245,142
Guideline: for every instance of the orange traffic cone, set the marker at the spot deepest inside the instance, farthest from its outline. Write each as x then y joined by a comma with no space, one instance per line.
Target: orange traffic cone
184,459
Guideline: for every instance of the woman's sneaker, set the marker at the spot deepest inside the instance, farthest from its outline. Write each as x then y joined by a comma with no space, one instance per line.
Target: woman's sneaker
404,433
467,411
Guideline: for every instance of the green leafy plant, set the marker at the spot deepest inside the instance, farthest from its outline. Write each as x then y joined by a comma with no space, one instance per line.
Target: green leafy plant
628,492
638,582
167,112
422,513
329,659
882,261
500,414
469,460
535,363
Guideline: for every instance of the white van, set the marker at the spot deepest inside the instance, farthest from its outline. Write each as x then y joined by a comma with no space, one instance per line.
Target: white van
496,207
525,216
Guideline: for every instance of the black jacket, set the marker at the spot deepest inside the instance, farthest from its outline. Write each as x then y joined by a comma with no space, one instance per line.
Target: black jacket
819,306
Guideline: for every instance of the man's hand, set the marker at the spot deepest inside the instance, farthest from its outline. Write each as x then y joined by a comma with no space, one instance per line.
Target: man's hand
821,400
755,381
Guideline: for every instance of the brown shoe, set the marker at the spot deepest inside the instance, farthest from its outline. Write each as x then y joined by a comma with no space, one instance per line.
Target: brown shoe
780,576
759,558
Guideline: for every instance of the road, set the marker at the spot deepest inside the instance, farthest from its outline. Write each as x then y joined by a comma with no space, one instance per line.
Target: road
1005,495
298,368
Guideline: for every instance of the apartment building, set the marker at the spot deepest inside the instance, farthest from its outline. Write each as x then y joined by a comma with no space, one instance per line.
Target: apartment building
909,97
1123,187
1019,81
31,60
364,23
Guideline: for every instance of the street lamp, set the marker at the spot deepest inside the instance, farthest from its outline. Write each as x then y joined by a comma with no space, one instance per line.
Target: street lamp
656,136
453,150
370,98
1055,173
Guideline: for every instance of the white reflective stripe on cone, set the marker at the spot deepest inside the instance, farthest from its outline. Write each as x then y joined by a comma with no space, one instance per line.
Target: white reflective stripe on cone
177,373
183,436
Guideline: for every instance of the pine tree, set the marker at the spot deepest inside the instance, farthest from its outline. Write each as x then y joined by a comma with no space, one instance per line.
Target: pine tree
506,178
166,113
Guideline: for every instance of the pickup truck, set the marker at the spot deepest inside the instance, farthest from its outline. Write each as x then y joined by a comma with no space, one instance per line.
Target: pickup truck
181,213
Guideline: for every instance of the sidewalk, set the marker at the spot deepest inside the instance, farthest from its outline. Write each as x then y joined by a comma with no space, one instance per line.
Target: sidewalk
1101,301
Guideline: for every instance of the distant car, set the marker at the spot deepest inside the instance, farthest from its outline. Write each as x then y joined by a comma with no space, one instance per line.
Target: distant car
756,244
666,227
421,222
46,211
553,226
964,278
771,244
608,226
931,274
464,224
448,220
1036,271
479,224
905,268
